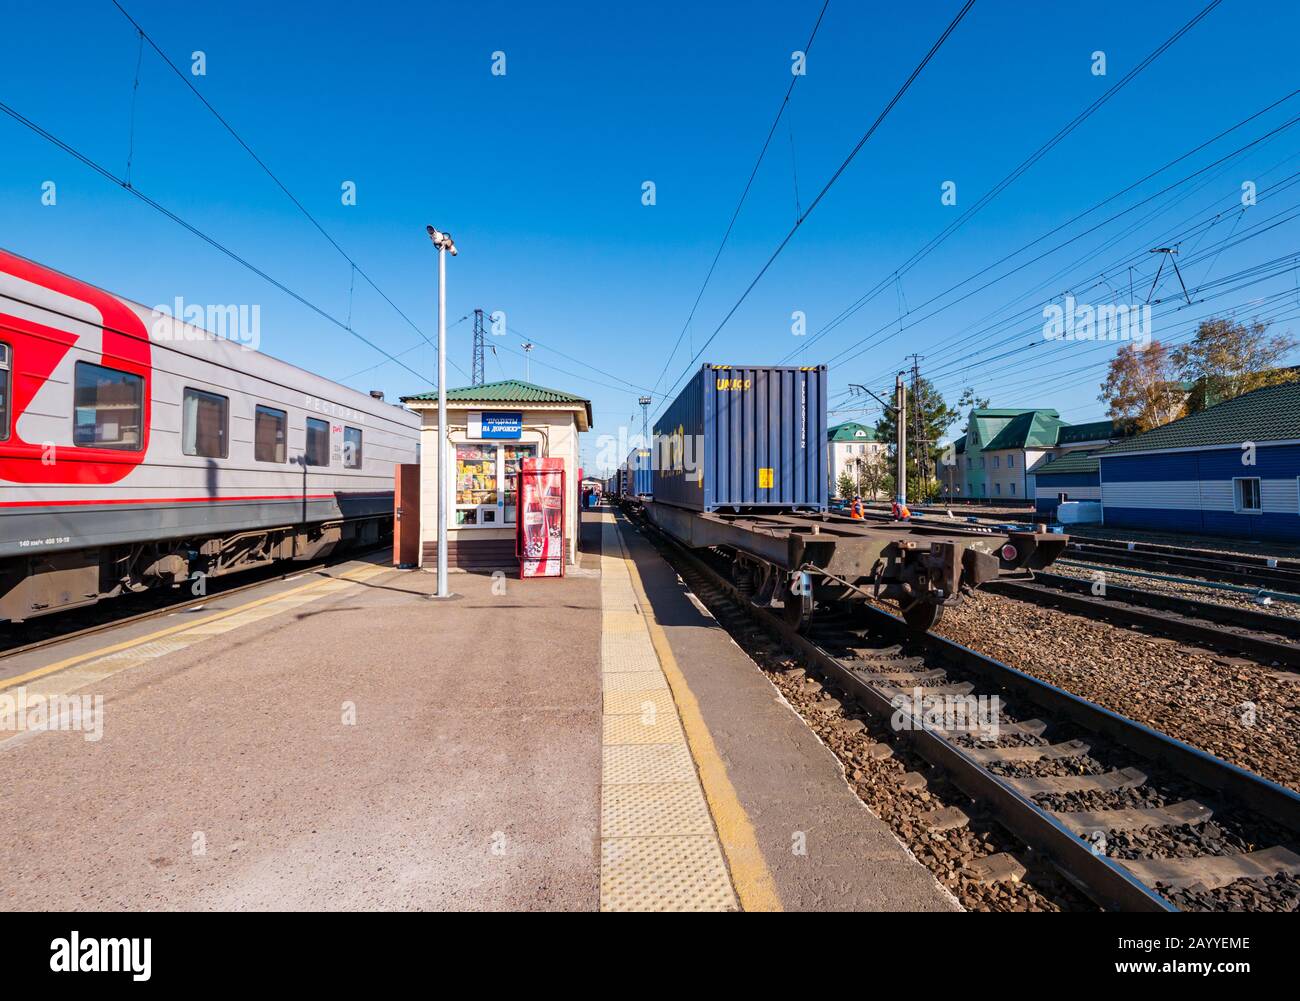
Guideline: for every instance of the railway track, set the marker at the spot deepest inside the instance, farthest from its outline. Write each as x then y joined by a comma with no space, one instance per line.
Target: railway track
1134,819
1271,639
63,627
1255,571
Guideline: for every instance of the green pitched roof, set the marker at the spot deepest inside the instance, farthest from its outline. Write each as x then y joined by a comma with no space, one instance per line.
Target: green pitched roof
1268,414
505,391
986,423
1031,429
848,431
1082,461
1094,431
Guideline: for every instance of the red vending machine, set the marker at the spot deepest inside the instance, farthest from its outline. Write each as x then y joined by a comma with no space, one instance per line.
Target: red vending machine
539,527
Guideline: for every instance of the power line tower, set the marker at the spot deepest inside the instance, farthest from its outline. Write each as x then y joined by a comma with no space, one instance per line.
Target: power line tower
920,443
645,420
476,370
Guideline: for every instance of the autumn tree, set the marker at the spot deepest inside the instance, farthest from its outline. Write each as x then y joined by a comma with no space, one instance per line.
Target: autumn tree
1141,386
1226,359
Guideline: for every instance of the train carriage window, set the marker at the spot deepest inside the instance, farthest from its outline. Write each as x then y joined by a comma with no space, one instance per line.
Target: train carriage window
204,420
352,448
108,408
318,443
269,429
5,366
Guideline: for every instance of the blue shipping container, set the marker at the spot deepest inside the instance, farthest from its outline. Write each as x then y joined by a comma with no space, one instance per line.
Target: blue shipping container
744,438
640,479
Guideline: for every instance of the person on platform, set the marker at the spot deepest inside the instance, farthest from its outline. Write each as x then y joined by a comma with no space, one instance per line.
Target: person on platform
898,511
855,511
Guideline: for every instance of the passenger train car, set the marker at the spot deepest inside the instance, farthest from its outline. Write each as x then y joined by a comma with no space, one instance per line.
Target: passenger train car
137,450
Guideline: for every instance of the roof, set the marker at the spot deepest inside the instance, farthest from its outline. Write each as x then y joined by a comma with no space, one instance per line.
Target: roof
1268,414
851,431
1106,430
1031,429
986,423
1082,461
505,391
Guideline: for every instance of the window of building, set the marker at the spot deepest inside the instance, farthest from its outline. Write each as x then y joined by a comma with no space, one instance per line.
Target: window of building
108,408
5,366
318,443
997,489
269,429
981,462
351,448
1013,488
1011,462
487,481
1246,494
997,462
204,418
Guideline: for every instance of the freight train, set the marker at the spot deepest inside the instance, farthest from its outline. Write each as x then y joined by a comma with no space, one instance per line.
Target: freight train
740,468
140,451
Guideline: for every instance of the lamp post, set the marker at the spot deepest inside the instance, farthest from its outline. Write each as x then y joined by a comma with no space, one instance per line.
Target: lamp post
444,244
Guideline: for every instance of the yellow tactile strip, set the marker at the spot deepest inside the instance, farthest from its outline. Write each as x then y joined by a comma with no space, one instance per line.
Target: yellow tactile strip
658,847
78,672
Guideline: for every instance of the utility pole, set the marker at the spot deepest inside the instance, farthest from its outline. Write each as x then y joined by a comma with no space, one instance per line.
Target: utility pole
645,421
528,369
444,243
476,370
919,440
900,422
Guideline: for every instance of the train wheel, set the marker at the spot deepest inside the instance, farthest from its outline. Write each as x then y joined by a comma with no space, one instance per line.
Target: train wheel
922,616
797,608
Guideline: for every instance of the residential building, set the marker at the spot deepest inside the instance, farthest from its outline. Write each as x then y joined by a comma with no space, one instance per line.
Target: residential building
848,444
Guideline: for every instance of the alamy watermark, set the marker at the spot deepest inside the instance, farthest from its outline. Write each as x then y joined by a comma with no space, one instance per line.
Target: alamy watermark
36,713
182,321
1075,321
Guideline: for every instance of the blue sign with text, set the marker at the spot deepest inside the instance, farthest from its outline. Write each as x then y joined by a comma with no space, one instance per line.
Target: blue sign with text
502,424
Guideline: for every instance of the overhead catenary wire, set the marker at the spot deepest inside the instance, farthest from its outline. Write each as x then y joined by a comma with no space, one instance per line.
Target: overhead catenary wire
1014,175
794,78
898,96
205,237
185,79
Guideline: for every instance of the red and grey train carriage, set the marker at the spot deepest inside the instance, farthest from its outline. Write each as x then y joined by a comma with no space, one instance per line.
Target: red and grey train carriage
137,450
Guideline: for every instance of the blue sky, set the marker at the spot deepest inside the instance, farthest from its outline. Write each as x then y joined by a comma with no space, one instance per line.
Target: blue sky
538,174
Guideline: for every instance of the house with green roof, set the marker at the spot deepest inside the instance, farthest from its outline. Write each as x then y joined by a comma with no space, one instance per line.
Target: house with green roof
491,428
1232,469
1004,448
850,447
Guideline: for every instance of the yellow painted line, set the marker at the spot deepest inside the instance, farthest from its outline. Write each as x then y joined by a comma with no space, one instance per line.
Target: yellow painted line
749,872
81,658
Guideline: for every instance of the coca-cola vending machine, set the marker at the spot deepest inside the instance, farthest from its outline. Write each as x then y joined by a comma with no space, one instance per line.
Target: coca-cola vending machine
539,526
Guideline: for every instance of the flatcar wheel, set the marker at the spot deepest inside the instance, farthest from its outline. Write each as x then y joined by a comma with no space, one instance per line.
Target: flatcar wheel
797,608
922,616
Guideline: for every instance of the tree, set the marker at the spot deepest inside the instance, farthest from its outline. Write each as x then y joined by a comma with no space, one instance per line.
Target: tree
969,401
1140,386
1226,359
844,485
873,471
925,409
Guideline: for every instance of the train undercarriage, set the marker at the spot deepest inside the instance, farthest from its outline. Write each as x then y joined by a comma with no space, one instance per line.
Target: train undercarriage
37,585
801,562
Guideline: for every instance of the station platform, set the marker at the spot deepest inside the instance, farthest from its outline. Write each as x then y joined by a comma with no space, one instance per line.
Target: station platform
342,740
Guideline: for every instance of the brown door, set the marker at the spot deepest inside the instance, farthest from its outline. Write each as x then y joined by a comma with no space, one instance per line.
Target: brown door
406,515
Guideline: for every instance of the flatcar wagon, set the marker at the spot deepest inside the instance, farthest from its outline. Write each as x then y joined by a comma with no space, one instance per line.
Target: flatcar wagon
140,451
740,470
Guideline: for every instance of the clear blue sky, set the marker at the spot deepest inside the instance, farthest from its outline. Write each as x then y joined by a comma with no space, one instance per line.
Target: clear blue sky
538,175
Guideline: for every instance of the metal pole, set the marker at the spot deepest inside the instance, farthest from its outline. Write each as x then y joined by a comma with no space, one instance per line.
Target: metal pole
900,420
443,504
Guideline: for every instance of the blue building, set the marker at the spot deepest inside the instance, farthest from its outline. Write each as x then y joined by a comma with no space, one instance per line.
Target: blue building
1231,469
1072,477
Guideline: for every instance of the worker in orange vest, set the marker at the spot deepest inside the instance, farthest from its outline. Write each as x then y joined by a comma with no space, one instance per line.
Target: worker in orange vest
856,510
898,510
